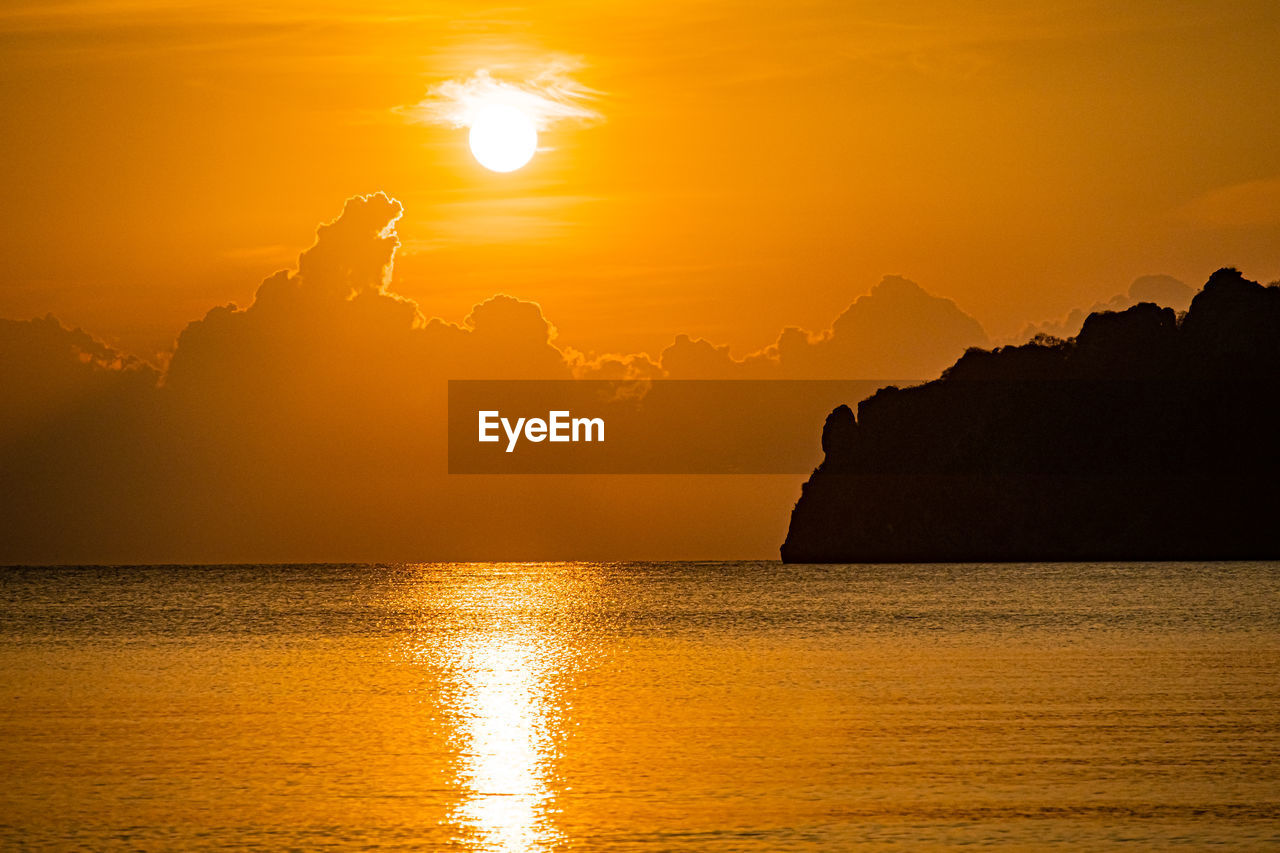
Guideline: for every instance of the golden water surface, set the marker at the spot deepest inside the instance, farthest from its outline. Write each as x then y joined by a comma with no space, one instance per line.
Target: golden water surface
640,706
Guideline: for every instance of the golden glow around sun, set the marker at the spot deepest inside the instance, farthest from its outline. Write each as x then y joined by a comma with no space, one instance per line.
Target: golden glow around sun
502,137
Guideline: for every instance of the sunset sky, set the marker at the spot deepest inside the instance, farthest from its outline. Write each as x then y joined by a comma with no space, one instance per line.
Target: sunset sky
640,425
752,166
838,191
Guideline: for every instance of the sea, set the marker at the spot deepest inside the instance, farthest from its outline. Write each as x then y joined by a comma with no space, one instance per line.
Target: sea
739,706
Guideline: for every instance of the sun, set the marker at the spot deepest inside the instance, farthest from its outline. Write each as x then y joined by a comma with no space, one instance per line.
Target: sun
502,137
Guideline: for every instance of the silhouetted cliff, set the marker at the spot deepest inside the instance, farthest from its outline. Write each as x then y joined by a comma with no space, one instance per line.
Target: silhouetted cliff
1147,436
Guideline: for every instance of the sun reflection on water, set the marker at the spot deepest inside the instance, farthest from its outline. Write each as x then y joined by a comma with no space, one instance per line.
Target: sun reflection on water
494,636
502,710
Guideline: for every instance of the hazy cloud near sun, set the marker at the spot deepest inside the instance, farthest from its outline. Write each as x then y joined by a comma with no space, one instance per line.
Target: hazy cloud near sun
1252,203
547,94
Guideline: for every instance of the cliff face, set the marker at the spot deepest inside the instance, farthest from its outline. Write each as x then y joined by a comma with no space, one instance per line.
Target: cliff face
1145,437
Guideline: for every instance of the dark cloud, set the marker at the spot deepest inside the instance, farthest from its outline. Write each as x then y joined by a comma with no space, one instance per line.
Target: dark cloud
48,372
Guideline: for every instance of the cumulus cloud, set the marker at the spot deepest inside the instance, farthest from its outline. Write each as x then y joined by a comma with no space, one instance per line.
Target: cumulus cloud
548,95
311,425
898,331
336,317
1163,290
308,425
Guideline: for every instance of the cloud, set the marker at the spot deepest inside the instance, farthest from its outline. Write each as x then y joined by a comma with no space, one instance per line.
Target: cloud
616,366
548,95
1163,290
48,372
311,425
1252,203
335,324
897,331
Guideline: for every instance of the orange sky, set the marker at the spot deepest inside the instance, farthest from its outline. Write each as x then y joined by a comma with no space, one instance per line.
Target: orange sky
752,168
757,166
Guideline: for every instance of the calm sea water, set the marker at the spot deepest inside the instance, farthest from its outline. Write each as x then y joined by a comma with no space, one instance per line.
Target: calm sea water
640,706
